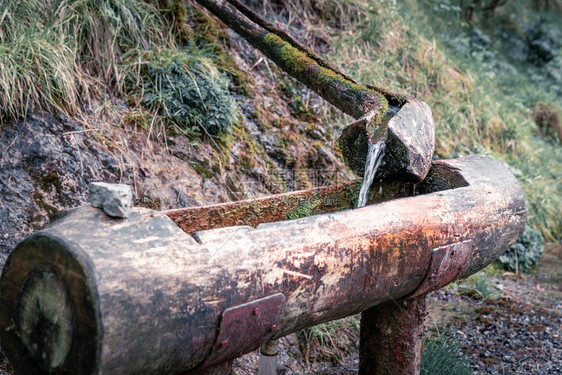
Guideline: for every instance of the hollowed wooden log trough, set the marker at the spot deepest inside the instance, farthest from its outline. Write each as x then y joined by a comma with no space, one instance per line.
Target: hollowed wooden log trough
95,295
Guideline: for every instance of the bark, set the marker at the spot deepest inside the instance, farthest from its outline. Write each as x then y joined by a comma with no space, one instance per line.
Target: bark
337,88
91,294
392,337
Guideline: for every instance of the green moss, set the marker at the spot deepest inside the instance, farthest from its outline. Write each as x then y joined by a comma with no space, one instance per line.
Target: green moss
289,88
42,203
299,65
354,151
201,170
305,209
350,196
51,179
216,168
175,12
206,29
296,61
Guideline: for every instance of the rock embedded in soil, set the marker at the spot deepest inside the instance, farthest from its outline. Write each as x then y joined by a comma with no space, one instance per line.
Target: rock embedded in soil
115,199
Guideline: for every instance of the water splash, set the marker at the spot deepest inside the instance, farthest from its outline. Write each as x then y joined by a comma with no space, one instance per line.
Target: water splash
375,153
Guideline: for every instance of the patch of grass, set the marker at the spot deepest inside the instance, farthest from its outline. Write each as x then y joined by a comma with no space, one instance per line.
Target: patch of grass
201,170
524,253
443,357
53,53
57,55
39,70
210,36
318,13
106,30
478,286
185,87
330,341
305,209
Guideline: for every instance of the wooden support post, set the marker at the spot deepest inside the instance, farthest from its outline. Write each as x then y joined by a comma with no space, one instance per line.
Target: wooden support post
391,338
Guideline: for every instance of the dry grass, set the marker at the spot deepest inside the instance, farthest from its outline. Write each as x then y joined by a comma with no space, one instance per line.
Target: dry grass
52,54
39,70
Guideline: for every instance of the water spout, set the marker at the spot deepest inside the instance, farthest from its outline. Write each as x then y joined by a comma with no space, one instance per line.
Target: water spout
375,153
374,158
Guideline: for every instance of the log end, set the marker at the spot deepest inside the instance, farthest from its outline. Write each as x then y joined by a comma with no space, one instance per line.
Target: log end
45,321
48,315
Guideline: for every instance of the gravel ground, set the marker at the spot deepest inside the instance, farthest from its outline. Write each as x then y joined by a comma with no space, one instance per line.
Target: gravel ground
520,332
507,335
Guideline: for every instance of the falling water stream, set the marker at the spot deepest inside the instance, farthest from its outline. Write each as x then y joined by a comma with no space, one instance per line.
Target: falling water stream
375,153
374,157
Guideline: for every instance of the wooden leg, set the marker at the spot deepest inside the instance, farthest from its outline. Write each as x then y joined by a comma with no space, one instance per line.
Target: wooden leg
391,338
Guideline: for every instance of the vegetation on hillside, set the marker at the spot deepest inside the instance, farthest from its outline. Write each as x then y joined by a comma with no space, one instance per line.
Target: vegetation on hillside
65,55
487,96
491,71
524,253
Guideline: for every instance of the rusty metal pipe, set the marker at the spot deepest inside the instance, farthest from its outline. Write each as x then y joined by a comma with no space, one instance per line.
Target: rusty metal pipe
91,294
